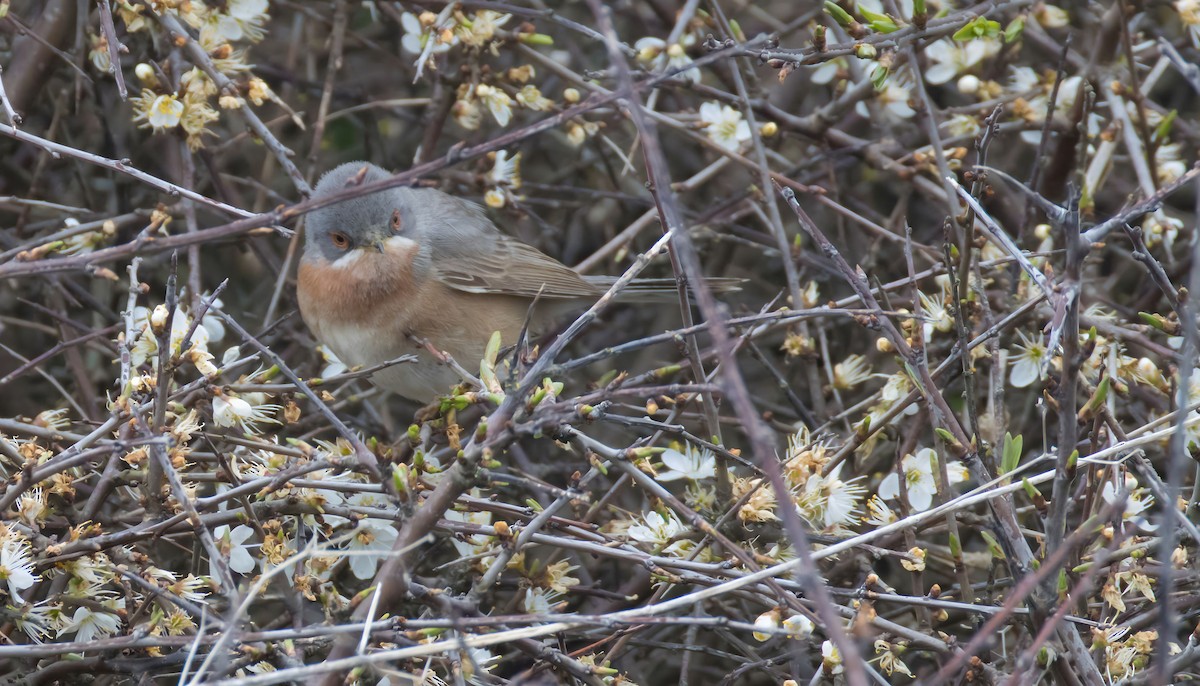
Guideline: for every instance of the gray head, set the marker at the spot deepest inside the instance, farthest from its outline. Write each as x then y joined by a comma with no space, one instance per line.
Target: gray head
364,222
437,222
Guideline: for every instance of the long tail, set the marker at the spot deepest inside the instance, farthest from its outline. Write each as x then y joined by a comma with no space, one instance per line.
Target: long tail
647,290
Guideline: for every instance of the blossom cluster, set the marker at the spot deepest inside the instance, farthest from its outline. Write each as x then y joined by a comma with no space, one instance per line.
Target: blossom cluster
166,101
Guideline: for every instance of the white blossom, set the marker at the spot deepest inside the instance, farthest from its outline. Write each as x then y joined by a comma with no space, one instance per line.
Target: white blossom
371,544
765,625
16,566
1028,361
474,544
165,113
724,125
937,317
1051,16
233,544
36,621
497,101
660,532
798,626
950,58
1136,504
919,478
89,624
539,601
829,503
1169,164
1189,14
825,72
831,658
893,98
879,514
333,365
655,53
31,507
696,464
232,411
417,37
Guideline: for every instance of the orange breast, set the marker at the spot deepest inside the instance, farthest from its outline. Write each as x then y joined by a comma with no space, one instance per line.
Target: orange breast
359,290
364,309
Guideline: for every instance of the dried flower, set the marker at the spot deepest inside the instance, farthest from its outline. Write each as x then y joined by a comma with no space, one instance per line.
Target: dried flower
915,562
760,506
480,29
98,55
851,372
889,658
532,99
466,113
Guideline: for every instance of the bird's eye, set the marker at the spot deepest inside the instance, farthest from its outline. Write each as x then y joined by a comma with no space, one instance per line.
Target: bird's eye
340,240
397,224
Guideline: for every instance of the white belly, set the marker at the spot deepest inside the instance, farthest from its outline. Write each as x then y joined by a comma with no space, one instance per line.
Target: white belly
421,380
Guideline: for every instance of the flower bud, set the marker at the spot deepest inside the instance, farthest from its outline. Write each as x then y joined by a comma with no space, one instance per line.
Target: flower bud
158,318
798,626
768,622
865,51
146,75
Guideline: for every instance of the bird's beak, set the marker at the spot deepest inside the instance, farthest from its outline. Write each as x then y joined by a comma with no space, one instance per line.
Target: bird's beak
377,238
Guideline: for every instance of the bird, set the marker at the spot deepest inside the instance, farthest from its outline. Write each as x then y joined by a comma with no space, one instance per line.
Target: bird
382,273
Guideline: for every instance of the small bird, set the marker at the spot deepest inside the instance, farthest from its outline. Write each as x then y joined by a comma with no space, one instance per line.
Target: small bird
382,271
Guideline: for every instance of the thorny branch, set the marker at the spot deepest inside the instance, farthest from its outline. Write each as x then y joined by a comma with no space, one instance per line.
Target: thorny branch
801,481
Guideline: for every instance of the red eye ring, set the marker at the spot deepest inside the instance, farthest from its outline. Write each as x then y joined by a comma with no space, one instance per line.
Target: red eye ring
397,223
340,240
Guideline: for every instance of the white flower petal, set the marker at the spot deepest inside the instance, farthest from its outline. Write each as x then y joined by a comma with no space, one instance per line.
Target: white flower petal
920,498
890,488
940,73
1024,373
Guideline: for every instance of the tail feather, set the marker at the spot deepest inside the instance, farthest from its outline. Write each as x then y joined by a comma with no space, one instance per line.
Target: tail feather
655,289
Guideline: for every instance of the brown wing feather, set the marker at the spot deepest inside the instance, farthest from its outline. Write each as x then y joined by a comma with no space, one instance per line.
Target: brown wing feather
512,268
